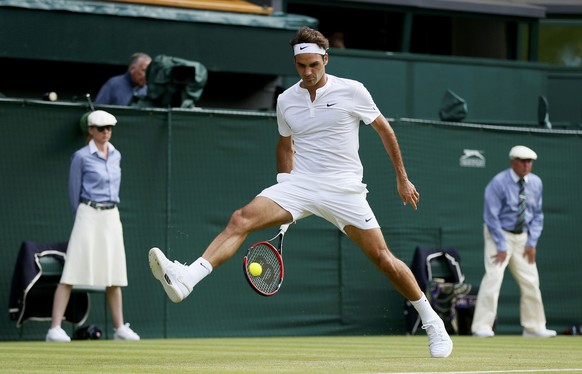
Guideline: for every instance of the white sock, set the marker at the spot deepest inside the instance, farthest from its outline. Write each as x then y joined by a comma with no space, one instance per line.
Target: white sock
199,269
424,309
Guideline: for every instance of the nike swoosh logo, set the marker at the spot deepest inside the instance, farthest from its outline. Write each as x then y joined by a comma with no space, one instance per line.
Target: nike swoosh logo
369,219
302,48
328,105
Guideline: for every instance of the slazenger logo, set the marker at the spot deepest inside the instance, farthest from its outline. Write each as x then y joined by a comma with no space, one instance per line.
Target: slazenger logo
472,158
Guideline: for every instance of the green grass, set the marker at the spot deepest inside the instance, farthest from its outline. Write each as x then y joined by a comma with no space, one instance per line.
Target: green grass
375,354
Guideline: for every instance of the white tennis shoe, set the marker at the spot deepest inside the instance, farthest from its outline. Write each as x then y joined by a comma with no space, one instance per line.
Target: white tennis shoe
544,333
57,334
439,341
484,333
125,333
173,275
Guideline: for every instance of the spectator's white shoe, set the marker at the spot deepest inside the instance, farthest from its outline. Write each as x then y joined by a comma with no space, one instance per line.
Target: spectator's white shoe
125,333
484,333
57,334
173,275
439,341
545,333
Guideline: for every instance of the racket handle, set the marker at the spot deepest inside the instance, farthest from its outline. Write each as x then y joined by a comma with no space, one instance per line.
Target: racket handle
284,228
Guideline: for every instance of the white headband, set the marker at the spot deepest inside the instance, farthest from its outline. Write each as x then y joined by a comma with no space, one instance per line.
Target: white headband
302,48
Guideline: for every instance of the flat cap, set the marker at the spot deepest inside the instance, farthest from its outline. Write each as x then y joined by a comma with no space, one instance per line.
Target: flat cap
522,152
101,118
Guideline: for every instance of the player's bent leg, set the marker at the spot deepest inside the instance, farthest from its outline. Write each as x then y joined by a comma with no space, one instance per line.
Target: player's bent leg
178,280
374,246
260,213
372,243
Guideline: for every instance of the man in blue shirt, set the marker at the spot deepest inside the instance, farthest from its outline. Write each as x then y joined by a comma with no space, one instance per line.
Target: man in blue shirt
513,224
121,89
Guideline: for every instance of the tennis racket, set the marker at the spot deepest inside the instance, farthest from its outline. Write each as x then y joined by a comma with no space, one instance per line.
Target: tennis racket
268,282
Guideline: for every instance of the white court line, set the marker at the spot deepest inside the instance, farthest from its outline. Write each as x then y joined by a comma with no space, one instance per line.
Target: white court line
496,371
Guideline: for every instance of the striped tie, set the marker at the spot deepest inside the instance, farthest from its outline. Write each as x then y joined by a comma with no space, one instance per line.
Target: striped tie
521,207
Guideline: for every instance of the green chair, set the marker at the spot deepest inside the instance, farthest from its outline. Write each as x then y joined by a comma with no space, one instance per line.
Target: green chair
51,268
37,273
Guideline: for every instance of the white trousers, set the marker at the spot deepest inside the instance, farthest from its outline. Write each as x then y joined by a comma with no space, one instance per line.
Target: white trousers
532,314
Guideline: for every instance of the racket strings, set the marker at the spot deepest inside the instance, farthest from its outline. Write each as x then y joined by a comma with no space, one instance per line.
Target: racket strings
270,277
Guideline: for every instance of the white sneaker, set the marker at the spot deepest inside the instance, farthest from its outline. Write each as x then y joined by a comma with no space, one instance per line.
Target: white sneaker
57,334
484,333
125,333
173,275
439,341
545,333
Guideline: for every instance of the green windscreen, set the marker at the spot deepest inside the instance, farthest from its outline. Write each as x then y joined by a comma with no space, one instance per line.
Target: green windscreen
186,171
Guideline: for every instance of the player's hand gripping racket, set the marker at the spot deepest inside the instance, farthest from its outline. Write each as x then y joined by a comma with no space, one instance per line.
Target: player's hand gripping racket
268,279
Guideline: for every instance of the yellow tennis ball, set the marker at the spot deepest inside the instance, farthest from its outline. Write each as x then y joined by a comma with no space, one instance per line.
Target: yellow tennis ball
255,269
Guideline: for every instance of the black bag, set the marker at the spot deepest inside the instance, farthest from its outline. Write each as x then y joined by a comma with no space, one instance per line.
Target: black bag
91,332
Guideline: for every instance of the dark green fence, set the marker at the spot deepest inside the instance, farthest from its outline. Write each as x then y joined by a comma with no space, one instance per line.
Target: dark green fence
184,172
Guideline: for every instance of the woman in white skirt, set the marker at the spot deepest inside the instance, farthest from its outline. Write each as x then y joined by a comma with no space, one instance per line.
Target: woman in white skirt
96,253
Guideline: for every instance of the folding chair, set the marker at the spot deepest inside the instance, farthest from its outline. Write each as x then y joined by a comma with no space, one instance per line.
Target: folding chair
433,266
36,275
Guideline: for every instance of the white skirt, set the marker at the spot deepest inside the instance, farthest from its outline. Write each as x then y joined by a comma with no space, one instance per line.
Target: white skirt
96,253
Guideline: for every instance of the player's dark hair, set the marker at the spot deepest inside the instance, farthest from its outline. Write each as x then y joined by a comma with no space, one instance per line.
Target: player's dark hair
309,35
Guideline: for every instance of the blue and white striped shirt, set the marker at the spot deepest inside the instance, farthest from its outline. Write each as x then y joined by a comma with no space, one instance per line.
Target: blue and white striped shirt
94,178
501,205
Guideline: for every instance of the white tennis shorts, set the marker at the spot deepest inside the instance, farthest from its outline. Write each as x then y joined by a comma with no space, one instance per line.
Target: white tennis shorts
338,201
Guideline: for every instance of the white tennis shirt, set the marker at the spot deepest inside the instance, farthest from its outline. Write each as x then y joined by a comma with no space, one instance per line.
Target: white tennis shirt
326,131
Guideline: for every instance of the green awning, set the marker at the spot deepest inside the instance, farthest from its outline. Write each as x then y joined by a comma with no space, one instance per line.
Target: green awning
275,20
108,33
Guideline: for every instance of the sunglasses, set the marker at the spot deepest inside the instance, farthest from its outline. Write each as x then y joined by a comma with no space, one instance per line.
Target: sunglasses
103,128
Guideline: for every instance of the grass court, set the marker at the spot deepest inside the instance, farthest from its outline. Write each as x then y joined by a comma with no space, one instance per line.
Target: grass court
351,354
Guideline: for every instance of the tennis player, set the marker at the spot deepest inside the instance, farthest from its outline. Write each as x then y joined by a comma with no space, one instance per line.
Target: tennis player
320,173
